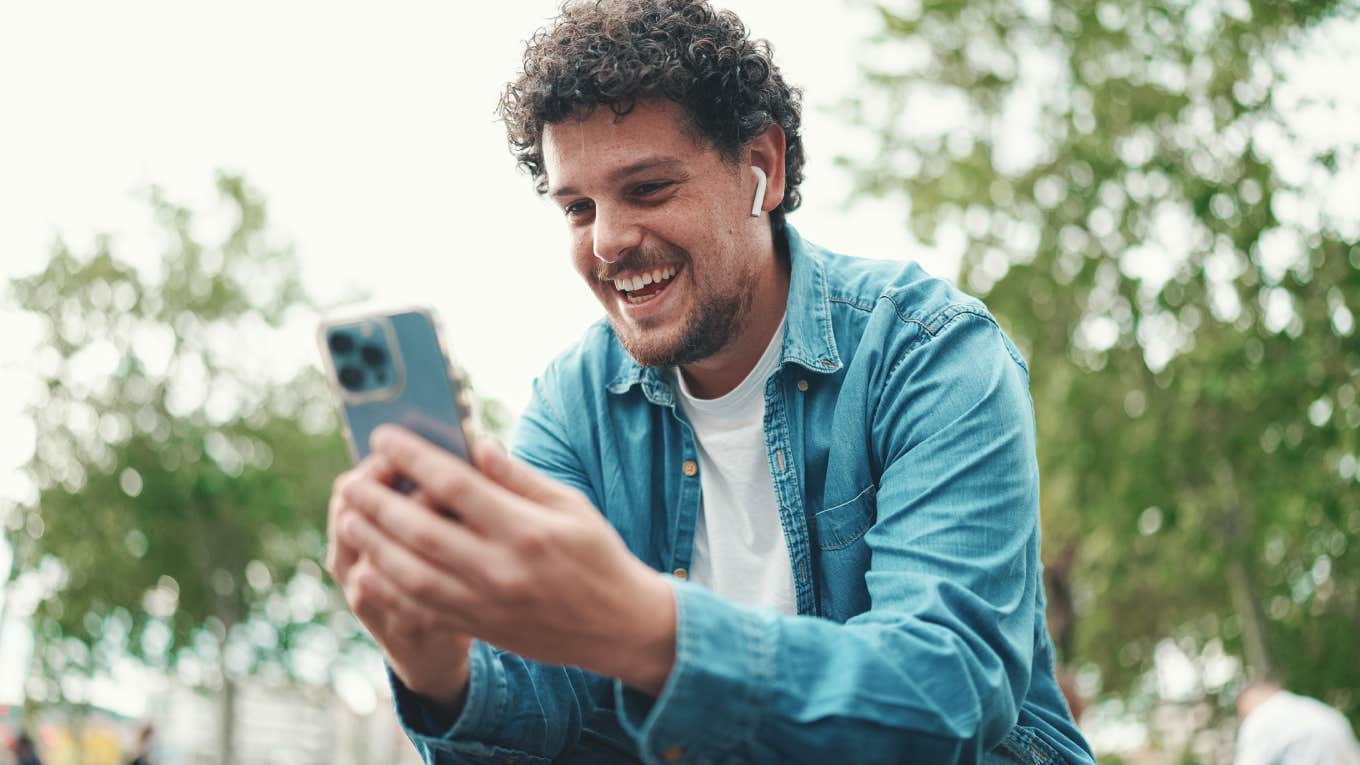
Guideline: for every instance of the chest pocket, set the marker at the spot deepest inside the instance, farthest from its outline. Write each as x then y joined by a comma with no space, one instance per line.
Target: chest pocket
841,525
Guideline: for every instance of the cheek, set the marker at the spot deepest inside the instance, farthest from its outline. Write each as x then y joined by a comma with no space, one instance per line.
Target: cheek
583,255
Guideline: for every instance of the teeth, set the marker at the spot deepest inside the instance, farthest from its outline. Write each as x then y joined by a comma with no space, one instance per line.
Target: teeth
633,283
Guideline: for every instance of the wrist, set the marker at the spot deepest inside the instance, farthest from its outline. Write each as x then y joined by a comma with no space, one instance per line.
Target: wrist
444,691
651,649
444,710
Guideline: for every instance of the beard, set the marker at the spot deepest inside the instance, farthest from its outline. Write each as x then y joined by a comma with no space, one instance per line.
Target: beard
717,317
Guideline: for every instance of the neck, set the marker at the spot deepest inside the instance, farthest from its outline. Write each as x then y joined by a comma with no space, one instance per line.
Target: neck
720,373
1254,697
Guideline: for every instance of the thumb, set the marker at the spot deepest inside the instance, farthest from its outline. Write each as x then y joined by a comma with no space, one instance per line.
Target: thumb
515,474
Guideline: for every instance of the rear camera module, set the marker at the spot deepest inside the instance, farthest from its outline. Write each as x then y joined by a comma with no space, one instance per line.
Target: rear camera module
351,377
341,343
372,355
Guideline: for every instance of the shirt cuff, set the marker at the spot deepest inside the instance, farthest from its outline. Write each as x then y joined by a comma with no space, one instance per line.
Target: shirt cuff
724,656
468,739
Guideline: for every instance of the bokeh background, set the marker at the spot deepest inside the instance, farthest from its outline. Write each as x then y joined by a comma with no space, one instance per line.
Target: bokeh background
1159,200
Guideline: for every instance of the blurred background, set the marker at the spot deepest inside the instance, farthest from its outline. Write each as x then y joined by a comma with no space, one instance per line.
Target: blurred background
1159,200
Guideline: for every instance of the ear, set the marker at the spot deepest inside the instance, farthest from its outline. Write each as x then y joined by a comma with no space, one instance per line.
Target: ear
766,151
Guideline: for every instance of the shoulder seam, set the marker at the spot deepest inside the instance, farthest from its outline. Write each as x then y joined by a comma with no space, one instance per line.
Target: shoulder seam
937,324
851,303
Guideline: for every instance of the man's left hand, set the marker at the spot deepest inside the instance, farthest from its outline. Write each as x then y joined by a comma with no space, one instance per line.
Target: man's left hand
529,565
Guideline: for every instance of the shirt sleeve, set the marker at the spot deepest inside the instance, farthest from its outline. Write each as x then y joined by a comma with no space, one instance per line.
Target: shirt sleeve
516,710
940,663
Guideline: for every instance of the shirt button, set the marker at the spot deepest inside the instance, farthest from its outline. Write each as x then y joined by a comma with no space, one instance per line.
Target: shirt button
690,468
680,573
803,386
673,754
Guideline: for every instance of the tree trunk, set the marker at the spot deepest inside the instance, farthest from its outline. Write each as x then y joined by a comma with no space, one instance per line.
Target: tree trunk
1247,604
226,731
1246,598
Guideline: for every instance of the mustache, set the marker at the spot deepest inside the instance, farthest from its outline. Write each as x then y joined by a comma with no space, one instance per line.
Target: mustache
641,259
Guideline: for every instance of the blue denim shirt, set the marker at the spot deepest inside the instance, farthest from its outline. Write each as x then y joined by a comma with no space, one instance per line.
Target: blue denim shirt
901,442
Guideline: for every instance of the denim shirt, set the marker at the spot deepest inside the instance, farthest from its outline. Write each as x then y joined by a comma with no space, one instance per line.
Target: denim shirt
900,436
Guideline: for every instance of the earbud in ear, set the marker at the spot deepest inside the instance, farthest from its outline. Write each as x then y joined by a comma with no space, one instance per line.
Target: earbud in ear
760,191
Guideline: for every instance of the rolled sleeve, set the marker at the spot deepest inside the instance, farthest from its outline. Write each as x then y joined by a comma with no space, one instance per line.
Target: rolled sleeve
478,722
718,648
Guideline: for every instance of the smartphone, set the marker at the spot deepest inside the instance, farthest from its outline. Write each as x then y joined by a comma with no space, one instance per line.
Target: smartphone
392,368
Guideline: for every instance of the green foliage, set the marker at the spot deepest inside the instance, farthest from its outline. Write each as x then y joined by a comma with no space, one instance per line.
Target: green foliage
1167,262
181,492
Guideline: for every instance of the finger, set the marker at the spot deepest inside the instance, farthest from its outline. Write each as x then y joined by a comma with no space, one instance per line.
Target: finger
382,607
517,475
379,468
452,482
410,574
339,556
444,544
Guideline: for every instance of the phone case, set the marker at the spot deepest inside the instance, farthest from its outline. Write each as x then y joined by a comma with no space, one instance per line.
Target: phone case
392,368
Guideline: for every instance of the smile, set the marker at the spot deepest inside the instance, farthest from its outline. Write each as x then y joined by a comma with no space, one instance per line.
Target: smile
640,288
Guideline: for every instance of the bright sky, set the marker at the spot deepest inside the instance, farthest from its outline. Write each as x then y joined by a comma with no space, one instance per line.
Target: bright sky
373,138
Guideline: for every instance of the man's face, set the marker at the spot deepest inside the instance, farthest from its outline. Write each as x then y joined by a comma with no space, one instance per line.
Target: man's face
660,229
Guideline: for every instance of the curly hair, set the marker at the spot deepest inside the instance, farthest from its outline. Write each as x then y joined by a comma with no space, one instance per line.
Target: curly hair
614,53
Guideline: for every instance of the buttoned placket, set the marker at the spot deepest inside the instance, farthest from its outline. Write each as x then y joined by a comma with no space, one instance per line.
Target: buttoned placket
784,468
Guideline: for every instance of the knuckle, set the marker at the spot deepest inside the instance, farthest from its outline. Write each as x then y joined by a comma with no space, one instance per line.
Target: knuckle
341,481
424,539
510,587
449,484
532,542
362,594
423,586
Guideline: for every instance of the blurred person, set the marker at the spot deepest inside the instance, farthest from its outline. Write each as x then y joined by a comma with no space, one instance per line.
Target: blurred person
145,741
1282,728
25,753
780,506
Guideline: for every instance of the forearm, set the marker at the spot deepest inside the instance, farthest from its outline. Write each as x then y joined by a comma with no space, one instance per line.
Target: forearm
771,688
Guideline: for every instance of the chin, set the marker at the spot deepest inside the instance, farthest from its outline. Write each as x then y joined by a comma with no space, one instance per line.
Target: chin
702,336
651,348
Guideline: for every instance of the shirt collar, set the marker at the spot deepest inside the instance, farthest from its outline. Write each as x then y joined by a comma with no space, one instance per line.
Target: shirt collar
808,337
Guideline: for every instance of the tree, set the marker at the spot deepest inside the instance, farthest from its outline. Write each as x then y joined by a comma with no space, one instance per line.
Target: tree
181,487
1134,203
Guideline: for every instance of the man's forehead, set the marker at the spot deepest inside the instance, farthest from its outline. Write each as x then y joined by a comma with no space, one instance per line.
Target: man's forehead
602,141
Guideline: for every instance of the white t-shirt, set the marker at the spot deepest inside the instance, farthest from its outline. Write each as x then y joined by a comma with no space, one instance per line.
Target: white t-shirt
739,548
1287,729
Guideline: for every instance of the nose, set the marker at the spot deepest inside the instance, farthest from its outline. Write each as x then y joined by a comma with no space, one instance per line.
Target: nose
615,234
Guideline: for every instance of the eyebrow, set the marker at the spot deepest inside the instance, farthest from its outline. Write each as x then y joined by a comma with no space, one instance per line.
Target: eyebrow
650,163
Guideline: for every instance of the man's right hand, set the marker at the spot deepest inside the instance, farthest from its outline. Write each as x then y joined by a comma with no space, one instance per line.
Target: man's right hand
428,656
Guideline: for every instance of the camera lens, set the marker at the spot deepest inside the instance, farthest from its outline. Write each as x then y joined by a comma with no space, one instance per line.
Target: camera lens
372,355
341,343
351,377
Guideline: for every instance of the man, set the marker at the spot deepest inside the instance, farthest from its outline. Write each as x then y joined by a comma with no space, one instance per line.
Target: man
1282,728
24,751
782,506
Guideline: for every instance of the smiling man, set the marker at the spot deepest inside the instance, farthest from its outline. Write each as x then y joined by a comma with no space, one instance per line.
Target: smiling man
781,506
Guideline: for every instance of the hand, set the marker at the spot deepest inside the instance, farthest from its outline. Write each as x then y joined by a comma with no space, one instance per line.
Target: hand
529,566
428,655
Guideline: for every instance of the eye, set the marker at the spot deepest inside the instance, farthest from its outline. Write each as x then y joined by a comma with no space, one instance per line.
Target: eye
578,208
647,189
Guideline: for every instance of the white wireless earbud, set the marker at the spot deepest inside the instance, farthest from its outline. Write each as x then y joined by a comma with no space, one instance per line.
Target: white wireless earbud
760,192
